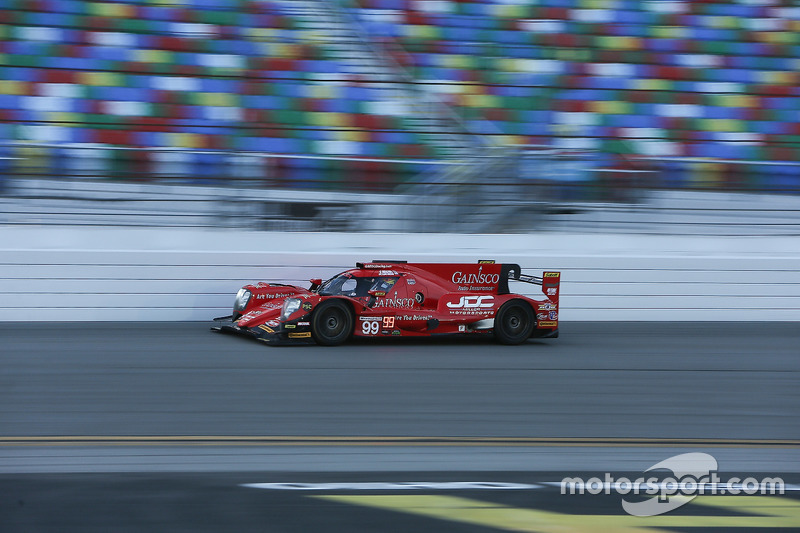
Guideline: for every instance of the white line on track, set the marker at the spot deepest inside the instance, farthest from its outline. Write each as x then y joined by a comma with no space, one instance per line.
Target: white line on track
409,485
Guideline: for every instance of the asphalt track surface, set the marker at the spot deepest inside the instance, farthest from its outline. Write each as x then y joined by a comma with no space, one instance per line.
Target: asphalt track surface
139,427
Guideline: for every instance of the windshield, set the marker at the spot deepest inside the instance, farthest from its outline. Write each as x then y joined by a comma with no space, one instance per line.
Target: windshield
349,285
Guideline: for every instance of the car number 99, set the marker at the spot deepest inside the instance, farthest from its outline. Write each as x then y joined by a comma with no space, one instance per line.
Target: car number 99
372,327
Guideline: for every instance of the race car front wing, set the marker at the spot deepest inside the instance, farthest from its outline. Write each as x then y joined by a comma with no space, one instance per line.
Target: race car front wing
269,335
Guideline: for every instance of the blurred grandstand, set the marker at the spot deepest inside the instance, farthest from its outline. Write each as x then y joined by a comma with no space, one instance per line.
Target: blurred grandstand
420,115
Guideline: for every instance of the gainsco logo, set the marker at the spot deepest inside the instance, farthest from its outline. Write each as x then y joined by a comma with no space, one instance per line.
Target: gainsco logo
461,278
395,302
472,302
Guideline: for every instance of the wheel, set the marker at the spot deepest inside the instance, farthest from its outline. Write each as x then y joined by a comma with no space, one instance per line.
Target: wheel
513,323
332,323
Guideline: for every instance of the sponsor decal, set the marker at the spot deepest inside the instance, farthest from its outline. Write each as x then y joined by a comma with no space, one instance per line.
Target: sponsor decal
542,316
266,328
461,278
395,332
379,293
414,317
378,266
486,262
303,335
289,326
471,302
263,296
303,323
411,281
547,307
472,305
474,288
551,292
395,302
273,323
548,324
370,318
307,306
552,274
419,297
387,273
553,315
462,327
269,306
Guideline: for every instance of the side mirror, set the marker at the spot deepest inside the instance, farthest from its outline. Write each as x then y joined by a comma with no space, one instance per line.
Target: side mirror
374,294
315,282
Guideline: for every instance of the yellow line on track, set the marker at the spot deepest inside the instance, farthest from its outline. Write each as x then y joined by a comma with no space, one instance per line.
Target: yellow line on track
295,440
730,513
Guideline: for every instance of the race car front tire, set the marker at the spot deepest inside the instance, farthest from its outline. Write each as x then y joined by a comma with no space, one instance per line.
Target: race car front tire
513,323
332,323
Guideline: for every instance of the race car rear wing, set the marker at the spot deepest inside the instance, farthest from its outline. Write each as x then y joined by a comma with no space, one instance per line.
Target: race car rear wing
550,282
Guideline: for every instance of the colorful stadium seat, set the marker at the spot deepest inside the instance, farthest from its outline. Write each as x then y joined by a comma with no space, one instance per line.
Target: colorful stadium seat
208,76
711,80
716,80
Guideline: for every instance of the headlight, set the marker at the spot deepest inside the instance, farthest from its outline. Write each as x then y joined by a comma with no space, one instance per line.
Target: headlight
290,306
242,297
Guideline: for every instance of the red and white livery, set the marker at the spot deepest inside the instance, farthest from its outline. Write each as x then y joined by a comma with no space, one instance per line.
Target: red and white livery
399,299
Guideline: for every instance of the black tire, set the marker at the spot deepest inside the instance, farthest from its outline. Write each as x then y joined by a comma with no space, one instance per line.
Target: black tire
332,323
513,323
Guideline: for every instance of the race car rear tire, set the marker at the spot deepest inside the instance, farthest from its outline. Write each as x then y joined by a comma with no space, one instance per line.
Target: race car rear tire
332,323
513,323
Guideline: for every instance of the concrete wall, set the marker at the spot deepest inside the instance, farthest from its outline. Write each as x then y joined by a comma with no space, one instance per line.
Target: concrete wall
103,274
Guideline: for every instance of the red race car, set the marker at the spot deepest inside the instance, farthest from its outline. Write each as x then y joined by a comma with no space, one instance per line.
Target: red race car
398,299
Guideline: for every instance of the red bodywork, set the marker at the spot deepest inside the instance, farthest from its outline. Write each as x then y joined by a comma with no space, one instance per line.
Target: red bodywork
387,299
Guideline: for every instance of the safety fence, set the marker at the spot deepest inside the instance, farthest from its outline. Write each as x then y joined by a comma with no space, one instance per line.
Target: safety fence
537,188
140,274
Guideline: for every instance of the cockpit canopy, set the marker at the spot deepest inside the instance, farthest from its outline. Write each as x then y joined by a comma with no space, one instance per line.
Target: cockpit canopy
356,286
